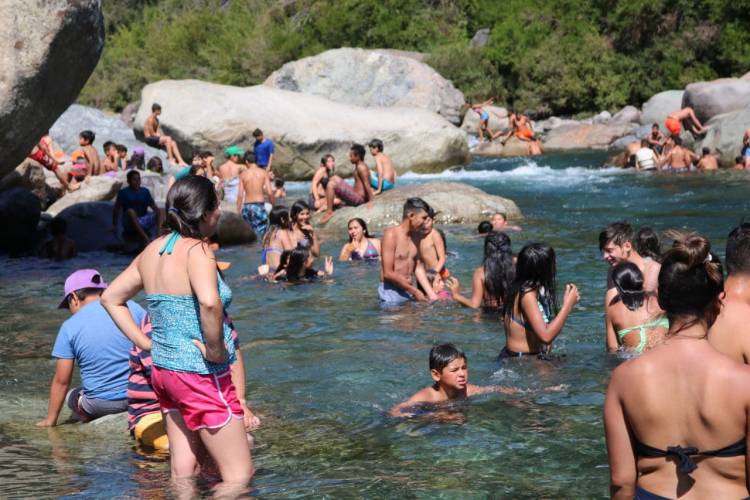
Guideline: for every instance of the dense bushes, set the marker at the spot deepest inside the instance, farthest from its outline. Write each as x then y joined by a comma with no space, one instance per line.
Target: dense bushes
545,56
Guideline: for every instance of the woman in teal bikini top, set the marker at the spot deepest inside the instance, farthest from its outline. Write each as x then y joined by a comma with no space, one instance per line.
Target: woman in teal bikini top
634,320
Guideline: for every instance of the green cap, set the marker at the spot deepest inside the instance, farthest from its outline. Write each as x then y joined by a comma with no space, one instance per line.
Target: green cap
234,151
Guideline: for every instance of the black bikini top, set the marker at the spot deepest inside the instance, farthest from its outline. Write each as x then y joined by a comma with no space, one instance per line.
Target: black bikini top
683,455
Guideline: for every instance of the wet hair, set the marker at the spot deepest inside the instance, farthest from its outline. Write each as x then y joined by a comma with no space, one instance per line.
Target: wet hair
121,148
249,157
415,205
645,143
297,207
738,250
362,223
195,167
206,154
278,182
58,226
277,219
155,107
155,165
497,265
484,227
294,262
132,174
501,214
706,151
257,133
677,140
628,280
655,125
739,159
536,268
107,145
188,200
358,150
647,243
690,280
618,233
88,136
325,158
377,144
444,354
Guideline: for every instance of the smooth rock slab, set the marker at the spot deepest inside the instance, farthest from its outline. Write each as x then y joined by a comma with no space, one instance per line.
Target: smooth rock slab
724,134
97,188
656,109
456,203
594,136
709,99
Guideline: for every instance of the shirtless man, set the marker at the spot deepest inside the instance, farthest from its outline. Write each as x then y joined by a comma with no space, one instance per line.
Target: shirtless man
708,161
353,196
230,170
520,127
86,141
255,184
739,163
43,154
400,253
674,122
156,138
729,334
616,245
385,177
679,159
317,198
630,151
110,157
656,138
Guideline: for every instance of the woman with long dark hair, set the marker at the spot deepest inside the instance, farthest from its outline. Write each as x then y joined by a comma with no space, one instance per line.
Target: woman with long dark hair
301,227
277,239
492,279
532,317
361,245
635,322
676,417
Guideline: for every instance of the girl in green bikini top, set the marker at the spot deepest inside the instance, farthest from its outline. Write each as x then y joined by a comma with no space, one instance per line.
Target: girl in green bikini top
634,320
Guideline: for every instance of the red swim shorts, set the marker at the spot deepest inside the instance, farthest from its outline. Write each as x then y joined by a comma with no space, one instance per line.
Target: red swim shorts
204,401
45,160
674,126
525,133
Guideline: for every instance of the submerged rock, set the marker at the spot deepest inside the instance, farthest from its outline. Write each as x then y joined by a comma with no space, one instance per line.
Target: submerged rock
48,51
20,211
456,203
656,109
371,78
709,99
304,127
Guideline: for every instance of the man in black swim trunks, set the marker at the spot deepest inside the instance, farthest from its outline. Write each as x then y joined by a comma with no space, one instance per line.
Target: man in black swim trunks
156,138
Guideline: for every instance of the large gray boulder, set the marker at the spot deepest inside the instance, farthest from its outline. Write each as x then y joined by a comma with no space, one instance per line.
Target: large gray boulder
107,127
304,127
371,78
20,211
457,203
513,147
498,119
96,188
233,230
709,99
656,109
28,175
90,226
586,136
628,114
48,50
724,134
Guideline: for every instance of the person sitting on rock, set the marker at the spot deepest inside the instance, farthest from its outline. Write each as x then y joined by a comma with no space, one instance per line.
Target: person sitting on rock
109,165
137,159
60,247
483,127
674,122
255,185
79,168
134,201
156,138
230,170
44,154
317,197
656,139
385,177
708,161
520,127
679,159
155,165
353,196
122,157
86,140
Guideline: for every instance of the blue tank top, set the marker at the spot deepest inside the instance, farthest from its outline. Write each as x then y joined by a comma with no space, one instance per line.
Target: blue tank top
176,323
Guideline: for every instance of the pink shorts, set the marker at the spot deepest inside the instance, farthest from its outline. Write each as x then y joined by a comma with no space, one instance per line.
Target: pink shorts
204,401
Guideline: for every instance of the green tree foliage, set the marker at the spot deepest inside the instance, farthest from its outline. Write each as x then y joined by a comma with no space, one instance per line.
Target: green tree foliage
543,56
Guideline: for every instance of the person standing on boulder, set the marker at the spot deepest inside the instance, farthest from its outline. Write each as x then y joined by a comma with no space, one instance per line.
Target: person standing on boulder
254,185
156,138
385,178
353,196
264,149
483,127
674,122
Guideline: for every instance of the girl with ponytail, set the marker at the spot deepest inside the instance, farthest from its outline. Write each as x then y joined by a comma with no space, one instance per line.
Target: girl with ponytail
676,417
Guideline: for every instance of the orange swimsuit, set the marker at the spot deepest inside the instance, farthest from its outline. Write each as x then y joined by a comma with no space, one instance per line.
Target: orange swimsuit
525,133
674,126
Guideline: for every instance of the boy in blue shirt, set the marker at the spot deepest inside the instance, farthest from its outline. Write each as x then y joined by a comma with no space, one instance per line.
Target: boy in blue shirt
91,339
264,150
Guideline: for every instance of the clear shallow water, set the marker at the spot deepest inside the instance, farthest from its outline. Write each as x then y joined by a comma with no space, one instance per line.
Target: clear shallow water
325,363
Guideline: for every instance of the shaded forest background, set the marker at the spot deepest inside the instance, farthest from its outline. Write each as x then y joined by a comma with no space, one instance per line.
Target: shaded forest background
563,57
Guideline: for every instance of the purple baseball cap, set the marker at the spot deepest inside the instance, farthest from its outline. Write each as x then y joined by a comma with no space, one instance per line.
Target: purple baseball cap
83,278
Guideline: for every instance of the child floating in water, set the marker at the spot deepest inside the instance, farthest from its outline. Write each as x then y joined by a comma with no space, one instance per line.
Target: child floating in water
449,370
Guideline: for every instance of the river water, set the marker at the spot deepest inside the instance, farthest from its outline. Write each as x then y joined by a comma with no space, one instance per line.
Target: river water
325,362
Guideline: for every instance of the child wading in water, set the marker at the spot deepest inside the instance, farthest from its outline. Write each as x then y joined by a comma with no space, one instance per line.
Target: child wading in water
532,320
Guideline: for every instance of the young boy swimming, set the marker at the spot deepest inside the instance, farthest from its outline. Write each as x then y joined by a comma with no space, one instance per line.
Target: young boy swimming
449,370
